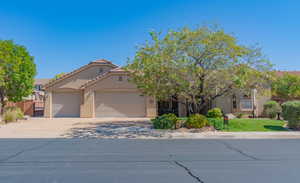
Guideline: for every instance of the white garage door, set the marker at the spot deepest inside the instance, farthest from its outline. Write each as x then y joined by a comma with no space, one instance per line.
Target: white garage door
119,104
66,104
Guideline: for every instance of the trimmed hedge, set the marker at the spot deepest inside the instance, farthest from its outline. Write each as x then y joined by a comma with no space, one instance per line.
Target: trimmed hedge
196,121
214,113
271,109
166,121
291,113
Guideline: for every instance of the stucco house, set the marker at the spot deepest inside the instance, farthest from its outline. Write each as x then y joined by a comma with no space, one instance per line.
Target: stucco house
98,89
102,89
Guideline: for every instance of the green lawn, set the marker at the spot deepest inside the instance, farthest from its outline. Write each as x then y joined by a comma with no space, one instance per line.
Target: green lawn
248,125
260,125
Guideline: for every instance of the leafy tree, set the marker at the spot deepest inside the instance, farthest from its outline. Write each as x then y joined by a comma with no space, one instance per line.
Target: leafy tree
286,87
199,65
59,75
17,71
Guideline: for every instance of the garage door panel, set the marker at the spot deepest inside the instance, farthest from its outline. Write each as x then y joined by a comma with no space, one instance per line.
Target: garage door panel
66,104
119,104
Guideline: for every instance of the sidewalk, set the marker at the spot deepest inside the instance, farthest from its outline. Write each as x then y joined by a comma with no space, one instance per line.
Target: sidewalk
238,135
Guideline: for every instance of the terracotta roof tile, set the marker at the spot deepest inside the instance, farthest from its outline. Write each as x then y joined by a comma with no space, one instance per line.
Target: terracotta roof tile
281,73
116,70
41,81
102,61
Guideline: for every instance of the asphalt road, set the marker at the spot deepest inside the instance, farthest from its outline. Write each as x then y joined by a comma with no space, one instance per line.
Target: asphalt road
143,161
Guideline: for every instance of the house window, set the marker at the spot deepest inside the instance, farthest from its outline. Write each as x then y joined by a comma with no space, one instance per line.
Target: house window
246,104
120,78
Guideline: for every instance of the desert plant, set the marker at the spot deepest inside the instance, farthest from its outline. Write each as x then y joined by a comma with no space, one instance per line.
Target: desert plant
271,109
166,121
10,116
214,113
17,110
291,113
196,121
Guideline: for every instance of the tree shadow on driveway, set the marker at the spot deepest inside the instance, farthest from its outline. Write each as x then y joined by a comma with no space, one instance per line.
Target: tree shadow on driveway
115,129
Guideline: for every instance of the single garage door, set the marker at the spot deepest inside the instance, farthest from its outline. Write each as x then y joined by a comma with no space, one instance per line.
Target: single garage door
119,104
66,104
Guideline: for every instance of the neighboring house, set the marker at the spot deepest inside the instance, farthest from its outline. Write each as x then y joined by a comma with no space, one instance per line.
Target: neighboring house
38,93
281,73
102,89
33,105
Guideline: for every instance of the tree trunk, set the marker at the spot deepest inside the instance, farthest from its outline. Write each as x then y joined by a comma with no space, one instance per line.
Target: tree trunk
2,103
198,108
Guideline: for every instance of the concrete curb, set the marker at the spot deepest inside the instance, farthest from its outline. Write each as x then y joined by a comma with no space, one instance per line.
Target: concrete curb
237,135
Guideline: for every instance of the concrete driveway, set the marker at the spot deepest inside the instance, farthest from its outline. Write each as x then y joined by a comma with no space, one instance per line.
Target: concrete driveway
58,127
148,161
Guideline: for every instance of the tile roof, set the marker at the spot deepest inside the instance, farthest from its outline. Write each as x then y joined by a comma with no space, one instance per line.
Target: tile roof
281,73
102,61
41,81
116,70
96,62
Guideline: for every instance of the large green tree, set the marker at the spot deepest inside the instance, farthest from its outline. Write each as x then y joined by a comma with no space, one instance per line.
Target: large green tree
286,87
199,65
17,71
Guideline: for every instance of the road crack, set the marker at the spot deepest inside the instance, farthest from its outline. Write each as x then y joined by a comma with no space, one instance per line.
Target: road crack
230,147
26,150
187,170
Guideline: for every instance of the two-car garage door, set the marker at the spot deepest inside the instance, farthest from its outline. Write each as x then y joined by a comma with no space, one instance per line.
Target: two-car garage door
107,104
119,104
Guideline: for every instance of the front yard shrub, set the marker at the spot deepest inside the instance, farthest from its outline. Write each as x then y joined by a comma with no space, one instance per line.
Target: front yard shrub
196,121
215,113
217,123
166,121
271,109
12,114
291,113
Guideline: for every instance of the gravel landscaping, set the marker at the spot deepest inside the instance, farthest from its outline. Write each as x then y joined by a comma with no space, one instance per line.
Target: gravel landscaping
126,129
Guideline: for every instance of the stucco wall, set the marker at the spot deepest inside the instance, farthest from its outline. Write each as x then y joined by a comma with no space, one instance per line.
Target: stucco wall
77,80
48,104
111,82
151,107
260,101
87,107
224,103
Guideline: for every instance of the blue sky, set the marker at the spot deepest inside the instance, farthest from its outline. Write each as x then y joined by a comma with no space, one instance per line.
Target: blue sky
64,35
